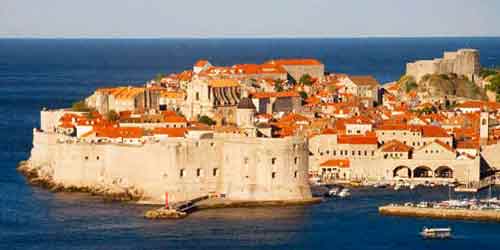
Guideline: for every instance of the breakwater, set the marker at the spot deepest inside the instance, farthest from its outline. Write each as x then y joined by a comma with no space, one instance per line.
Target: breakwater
440,213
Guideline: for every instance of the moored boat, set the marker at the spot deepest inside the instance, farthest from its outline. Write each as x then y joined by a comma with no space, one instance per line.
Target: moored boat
436,233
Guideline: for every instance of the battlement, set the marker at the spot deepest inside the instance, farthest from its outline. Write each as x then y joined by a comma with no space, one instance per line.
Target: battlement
461,62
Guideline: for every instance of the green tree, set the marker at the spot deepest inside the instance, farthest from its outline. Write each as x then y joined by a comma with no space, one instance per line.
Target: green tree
494,85
206,120
112,116
278,87
80,106
306,79
303,94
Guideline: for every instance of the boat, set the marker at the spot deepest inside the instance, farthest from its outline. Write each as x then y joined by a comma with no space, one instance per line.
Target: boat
397,187
412,186
344,193
333,191
379,185
436,233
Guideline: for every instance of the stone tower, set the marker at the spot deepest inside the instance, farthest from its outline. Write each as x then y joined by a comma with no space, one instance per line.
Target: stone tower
245,115
483,127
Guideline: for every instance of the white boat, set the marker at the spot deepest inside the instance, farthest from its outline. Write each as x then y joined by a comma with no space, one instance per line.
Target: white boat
436,233
344,193
333,192
397,187
412,186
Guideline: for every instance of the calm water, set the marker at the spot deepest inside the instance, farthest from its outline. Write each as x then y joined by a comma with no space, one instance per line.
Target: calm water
54,73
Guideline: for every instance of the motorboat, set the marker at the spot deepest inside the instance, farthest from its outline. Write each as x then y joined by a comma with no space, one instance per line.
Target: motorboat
344,193
436,233
333,191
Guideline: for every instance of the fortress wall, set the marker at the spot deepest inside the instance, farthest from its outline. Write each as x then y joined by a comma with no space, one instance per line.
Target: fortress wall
207,165
462,62
249,175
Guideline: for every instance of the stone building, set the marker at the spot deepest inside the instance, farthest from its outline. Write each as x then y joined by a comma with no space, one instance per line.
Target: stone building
296,68
185,166
462,62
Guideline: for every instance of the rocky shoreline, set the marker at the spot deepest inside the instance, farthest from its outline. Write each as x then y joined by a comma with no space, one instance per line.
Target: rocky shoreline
41,177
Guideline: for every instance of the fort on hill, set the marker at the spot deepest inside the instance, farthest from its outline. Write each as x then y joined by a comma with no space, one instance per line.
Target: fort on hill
462,62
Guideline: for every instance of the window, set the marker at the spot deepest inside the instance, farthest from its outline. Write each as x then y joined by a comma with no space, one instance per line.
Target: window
373,153
182,173
334,152
199,172
359,152
245,160
296,160
366,153
295,174
197,96
353,153
273,160
97,158
273,175
86,157
215,172
328,152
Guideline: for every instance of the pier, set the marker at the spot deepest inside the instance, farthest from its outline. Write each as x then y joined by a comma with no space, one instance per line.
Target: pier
440,213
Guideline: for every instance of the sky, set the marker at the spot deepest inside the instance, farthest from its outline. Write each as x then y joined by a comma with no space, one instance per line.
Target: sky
250,18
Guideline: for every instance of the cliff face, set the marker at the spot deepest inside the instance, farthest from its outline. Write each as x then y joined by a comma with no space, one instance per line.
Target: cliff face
243,169
450,85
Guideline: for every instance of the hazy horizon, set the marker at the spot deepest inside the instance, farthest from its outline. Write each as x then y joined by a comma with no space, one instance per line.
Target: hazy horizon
248,19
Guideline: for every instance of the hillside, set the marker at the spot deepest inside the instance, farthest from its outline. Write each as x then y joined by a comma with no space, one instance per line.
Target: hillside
436,85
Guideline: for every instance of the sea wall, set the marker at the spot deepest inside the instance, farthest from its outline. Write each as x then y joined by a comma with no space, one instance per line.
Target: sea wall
242,168
441,213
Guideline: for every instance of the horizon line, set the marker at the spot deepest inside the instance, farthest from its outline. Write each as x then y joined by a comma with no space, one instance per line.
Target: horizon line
240,37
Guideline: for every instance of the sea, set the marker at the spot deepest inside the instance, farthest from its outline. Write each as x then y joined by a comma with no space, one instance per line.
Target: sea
53,73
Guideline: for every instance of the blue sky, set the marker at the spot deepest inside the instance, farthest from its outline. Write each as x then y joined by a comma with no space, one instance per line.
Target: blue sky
250,18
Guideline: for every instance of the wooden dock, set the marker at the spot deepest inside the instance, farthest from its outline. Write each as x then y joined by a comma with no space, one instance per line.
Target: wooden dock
441,213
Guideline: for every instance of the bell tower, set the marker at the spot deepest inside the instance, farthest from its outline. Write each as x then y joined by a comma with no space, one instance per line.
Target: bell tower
484,126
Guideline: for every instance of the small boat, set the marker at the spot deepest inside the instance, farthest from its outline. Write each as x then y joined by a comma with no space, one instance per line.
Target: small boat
412,186
334,191
436,233
344,193
379,185
397,187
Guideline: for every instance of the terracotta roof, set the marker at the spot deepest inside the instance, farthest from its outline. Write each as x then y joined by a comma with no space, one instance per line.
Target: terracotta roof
357,139
343,163
364,80
124,132
444,145
395,146
218,83
201,63
260,95
305,61
358,120
433,131
175,119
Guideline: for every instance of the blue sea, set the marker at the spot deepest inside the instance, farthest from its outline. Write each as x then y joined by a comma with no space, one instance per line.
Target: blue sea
54,73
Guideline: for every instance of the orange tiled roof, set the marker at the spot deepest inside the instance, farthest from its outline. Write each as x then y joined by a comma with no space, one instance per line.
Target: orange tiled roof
305,61
261,95
364,80
219,83
357,139
395,146
343,163
123,132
